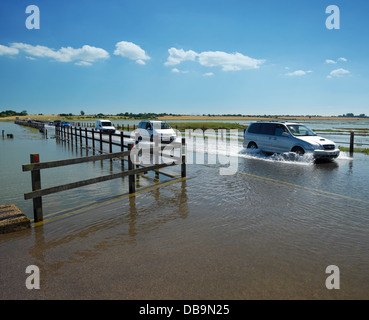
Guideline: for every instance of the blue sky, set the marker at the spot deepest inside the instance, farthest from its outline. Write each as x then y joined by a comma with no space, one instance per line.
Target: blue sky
185,57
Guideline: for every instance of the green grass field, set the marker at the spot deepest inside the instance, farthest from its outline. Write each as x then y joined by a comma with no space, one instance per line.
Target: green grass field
206,125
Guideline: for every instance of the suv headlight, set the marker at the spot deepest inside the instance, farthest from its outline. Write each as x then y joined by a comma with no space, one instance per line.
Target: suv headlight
318,147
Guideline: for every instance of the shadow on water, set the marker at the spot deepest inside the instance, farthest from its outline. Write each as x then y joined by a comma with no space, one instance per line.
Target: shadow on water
326,164
91,232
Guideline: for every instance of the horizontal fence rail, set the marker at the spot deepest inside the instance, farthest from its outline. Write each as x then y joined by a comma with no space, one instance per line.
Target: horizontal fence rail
66,162
77,184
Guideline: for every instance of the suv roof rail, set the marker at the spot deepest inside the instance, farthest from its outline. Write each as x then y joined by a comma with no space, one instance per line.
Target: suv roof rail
271,121
278,121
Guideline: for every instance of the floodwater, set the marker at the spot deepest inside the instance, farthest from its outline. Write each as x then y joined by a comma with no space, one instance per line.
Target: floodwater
269,230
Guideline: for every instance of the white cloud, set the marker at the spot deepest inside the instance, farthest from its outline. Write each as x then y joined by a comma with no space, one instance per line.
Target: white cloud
175,70
208,74
227,61
329,61
4,50
83,63
338,73
86,54
176,56
131,51
298,73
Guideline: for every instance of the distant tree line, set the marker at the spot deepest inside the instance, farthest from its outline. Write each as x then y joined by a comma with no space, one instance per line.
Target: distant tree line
11,113
351,115
140,115
130,115
65,114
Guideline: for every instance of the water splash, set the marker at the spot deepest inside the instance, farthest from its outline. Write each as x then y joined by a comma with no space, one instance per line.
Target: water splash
287,157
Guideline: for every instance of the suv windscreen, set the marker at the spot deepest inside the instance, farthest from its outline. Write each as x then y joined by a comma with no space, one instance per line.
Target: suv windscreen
300,130
106,124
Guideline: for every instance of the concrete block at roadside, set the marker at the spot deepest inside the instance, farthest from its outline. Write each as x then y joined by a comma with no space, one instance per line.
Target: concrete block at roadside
12,219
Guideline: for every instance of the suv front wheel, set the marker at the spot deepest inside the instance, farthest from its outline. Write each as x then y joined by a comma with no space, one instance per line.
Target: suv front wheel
252,145
298,150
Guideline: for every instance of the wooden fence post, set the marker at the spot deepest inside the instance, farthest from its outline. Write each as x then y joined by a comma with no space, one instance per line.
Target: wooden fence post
183,153
352,134
76,135
121,141
132,187
101,142
86,139
122,148
93,139
80,136
110,143
36,185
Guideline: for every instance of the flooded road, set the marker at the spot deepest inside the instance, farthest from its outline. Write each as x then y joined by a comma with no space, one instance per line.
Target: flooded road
268,231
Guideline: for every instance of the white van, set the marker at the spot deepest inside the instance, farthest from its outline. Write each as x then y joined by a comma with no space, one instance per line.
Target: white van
104,126
151,128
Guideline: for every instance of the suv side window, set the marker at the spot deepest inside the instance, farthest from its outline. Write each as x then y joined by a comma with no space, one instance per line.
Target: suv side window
268,128
148,126
254,128
280,128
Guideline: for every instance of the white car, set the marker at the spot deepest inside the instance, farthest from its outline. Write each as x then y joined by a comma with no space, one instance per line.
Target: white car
280,137
104,126
149,128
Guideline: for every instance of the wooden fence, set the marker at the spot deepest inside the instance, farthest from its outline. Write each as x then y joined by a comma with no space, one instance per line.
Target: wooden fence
73,134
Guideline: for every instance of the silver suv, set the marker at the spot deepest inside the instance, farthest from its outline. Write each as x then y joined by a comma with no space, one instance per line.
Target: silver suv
280,137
